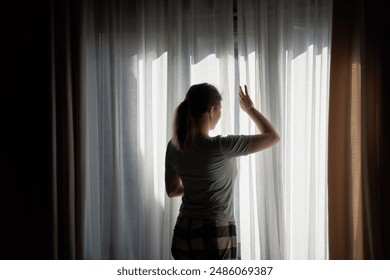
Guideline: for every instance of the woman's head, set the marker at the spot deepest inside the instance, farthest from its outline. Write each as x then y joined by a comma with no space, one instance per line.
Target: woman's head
200,99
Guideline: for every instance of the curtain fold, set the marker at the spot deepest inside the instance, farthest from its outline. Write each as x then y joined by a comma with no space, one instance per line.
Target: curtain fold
283,56
67,132
355,133
140,58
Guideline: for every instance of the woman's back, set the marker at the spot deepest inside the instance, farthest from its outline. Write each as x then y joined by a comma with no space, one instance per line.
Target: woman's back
202,170
208,173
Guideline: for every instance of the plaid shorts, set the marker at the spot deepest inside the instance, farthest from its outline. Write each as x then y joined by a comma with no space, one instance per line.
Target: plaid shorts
195,239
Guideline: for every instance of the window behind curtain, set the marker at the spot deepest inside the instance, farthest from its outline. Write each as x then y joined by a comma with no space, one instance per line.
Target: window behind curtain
140,59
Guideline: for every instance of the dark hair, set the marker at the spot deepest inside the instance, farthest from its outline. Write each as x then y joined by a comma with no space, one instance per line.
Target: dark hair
199,99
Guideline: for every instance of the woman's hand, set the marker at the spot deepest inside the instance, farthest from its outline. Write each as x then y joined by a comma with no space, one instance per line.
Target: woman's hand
174,186
245,101
268,135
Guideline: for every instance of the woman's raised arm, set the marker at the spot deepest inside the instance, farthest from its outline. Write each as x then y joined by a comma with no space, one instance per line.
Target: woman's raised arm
268,135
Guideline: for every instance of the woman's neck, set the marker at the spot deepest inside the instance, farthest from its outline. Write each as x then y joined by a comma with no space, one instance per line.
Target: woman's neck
203,127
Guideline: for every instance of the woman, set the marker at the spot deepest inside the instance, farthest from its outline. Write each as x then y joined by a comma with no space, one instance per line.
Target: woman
200,168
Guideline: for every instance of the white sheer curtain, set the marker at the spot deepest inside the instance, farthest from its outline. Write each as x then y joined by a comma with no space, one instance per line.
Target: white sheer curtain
140,57
284,56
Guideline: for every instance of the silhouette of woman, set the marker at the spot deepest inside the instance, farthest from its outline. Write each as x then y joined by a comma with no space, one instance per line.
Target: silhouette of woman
200,169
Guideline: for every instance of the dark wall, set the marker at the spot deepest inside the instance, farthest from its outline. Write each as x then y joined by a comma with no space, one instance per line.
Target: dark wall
25,131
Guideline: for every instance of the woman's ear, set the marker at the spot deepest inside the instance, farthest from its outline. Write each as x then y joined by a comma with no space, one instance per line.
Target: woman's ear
211,111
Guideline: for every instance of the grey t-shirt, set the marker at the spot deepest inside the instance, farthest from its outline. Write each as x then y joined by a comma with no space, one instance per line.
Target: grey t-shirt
207,173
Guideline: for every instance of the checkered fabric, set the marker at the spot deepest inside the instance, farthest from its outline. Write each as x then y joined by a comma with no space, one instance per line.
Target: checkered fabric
195,239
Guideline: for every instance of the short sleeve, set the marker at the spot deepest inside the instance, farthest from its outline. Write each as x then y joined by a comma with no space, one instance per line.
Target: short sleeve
169,169
235,145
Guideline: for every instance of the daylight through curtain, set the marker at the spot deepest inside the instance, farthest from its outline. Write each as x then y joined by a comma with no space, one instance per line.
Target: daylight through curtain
283,55
139,59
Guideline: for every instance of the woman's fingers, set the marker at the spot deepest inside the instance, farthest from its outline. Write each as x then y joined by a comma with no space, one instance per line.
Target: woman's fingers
245,100
240,92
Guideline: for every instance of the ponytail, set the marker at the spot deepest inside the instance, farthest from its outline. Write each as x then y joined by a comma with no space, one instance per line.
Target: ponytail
183,126
199,99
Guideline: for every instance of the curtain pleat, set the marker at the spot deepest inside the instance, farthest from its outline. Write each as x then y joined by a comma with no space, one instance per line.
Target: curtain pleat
67,127
283,56
140,58
354,133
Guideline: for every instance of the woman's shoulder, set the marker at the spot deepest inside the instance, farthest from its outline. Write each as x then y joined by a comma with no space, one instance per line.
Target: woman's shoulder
232,137
171,147
235,145
225,139
214,144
